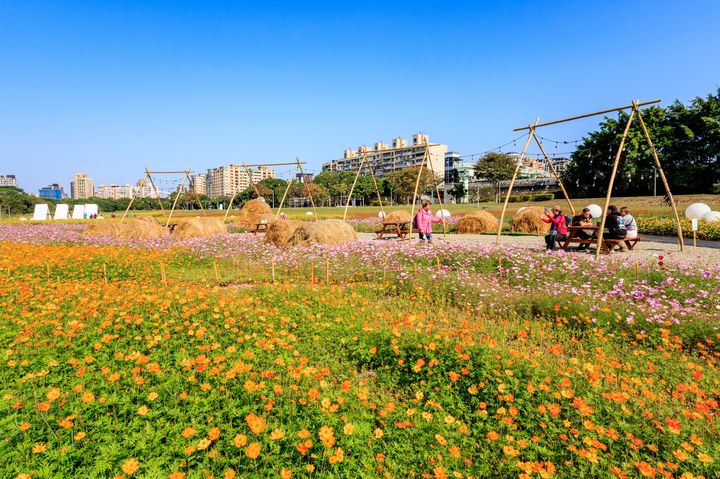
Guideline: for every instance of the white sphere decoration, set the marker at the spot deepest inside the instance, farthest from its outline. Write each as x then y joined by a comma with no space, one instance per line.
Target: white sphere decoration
442,214
595,210
309,213
712,216
521,208
696,211
381,214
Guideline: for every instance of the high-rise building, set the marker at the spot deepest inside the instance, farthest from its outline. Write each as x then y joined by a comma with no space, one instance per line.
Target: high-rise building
143,189
81,186
231,179
198,184
8,180
115,192
51,192
383,159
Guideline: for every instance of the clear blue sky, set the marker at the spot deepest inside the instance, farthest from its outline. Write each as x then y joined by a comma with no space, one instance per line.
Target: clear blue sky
110,87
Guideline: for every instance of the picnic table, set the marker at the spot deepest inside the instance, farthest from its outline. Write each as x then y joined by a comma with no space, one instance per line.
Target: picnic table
259,227
608,243
402,230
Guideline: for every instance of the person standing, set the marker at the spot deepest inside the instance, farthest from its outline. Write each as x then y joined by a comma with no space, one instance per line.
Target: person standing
558,227
630,223
424,220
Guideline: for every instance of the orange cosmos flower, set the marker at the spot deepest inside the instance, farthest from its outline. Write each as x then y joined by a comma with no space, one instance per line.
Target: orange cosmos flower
39,448
285,473
130,466
645,469
255,423
44,407
240,440
203,443
327,436
87,397
53,394
253,450
277,434
214,433
25,426
177,475
229,474
493,436
440,473
188,432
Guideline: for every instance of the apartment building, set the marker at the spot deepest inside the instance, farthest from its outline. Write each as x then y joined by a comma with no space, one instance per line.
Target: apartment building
198,184
115,192
8,180
231,179
384,159
81,186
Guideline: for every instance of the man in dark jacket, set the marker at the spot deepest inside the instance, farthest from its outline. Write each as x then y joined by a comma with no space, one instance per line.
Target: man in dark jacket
614,224
583,219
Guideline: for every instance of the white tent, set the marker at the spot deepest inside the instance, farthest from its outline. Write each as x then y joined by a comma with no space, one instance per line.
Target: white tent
61,212
78,212
41,213
91,209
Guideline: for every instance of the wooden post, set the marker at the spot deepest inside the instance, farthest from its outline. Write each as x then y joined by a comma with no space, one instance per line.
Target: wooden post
437,260
327,270
612,178
352,188
217,276
417,185
105,278
377,190
664,180
512,182
272,269
128,208
163,276
552,169
312,273
384,270
47,270
695,242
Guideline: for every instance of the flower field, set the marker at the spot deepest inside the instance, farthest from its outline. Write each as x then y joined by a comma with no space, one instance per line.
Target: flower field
226,358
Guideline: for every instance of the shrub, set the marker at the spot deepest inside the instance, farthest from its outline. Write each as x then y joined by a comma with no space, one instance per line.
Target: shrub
543,197
665,226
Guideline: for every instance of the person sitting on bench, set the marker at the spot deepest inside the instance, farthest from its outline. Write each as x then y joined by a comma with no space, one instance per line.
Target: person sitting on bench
630,223
583,219
614,226
558,227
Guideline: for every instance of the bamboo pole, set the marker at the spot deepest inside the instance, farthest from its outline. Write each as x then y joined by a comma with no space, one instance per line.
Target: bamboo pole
272,269
312,273
634,105
302,175
163,276
327,270
612,179
154,188
552,169
664,180
197,198
282,201
437,192
512,182
177,196
105,278
357,175
417,185
128,208
217,275
377,190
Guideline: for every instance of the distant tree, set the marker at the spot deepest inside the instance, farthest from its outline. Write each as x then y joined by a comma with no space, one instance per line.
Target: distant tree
15,201
495,168
458,191
403,182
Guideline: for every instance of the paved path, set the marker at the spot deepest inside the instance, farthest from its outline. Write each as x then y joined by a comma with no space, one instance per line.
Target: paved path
708,252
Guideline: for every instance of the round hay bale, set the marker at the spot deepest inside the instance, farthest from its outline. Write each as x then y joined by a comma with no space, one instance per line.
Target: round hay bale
528,221
397,216
279,231
104,229
253,211
199,227
477,222
141,228
328,232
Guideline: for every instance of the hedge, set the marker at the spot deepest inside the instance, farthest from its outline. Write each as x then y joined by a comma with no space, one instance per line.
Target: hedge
665,226
538,197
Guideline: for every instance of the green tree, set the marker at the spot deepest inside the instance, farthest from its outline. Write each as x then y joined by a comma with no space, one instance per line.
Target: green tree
14,201
403,182
458,192
495,168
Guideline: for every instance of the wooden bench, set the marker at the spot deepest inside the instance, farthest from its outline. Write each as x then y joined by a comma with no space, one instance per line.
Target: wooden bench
629,243
259,227
400,229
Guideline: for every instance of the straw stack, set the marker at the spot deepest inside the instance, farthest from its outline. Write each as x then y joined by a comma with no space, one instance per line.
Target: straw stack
528,221
327,232
477,222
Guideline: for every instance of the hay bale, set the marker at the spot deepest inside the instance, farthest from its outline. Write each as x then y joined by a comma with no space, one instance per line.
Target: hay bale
199,227
141,228
398,216
279,231
328,232
253,211
528,221
477,222
102,228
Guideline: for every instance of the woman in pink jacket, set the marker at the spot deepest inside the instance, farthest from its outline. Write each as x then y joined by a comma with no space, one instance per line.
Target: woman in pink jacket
558,227
424,220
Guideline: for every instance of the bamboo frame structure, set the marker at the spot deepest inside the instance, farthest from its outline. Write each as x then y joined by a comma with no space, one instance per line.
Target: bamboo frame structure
298,167
232,198
363,161
635,107
149,174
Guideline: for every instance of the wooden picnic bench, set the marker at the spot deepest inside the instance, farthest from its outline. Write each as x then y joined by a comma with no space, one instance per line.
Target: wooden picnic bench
259,227
608,243
402,230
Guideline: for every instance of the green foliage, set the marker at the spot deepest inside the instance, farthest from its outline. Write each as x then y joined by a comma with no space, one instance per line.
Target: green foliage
537,197
495,168
458,191
15,201
687,140
665,226
403,182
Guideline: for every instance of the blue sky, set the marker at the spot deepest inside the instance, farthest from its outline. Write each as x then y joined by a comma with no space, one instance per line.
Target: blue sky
108,88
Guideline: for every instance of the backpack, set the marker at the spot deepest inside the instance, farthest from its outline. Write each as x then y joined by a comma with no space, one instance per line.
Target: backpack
414,222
